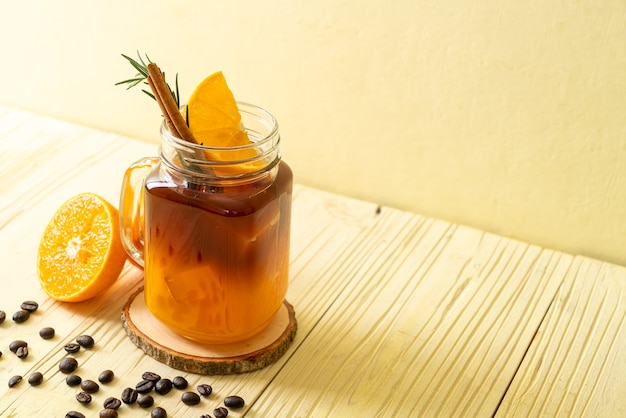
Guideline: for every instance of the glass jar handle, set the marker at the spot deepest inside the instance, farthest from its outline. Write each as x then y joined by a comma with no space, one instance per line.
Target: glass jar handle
132,208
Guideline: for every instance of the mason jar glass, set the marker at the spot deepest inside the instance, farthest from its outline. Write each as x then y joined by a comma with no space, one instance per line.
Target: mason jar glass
211,228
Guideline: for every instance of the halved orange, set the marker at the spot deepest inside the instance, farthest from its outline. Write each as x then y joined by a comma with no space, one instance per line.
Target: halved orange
80,254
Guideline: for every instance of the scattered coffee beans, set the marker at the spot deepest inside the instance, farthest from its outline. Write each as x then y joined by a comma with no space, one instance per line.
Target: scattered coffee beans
83,397
68,364
35,379
190,398
15,345
112,403
129,396
180,382
106,376
108,413
220,412
144,386
85,341
72,348
21,316
30,306
46,333
89,386
151,376
204,389
145,401
234,402
158,412
14,381
139,394
163,386
73,380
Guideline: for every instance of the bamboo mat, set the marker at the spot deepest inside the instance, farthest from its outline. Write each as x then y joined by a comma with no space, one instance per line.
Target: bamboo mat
398,314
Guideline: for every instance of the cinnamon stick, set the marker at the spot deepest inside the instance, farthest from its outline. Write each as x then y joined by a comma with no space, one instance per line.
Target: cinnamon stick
168,121
163,96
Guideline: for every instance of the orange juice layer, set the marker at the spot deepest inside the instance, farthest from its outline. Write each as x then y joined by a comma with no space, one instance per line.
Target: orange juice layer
217,263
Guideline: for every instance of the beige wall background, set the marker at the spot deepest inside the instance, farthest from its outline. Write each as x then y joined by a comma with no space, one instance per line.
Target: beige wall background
509,116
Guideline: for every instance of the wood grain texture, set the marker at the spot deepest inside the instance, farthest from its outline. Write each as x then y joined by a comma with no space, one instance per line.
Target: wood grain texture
398,314
577,362
433,321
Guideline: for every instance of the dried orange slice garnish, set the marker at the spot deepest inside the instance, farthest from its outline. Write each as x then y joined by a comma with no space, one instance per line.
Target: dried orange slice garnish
80,253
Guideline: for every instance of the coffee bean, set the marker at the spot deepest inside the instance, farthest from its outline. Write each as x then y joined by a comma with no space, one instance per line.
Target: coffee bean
22,352
14,381
35,379
144,386
180,382
106,376
108,413
145,401
0,353
73,380
72,348
112,403
89,386
83,397
3,316
46,333
163,386
30,306
204,389
68,365
15,345
234,402
74,414
158,412
151,376
85,341
21,316
129,396
220,412
190,398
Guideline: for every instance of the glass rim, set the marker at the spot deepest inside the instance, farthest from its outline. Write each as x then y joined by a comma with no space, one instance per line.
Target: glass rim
244,108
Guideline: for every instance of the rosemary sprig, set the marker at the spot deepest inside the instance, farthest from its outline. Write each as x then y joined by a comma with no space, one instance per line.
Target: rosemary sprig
151,75
142,76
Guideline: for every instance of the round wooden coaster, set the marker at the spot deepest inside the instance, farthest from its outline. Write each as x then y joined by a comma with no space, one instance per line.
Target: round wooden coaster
162,344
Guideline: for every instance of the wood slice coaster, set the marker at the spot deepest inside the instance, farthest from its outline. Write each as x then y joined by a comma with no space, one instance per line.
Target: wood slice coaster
162,344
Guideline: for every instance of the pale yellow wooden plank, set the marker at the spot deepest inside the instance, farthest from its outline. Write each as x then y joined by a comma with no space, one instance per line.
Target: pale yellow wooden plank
577,362
433,322
46,154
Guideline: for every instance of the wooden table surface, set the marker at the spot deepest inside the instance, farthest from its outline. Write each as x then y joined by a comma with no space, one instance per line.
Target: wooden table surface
398,314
